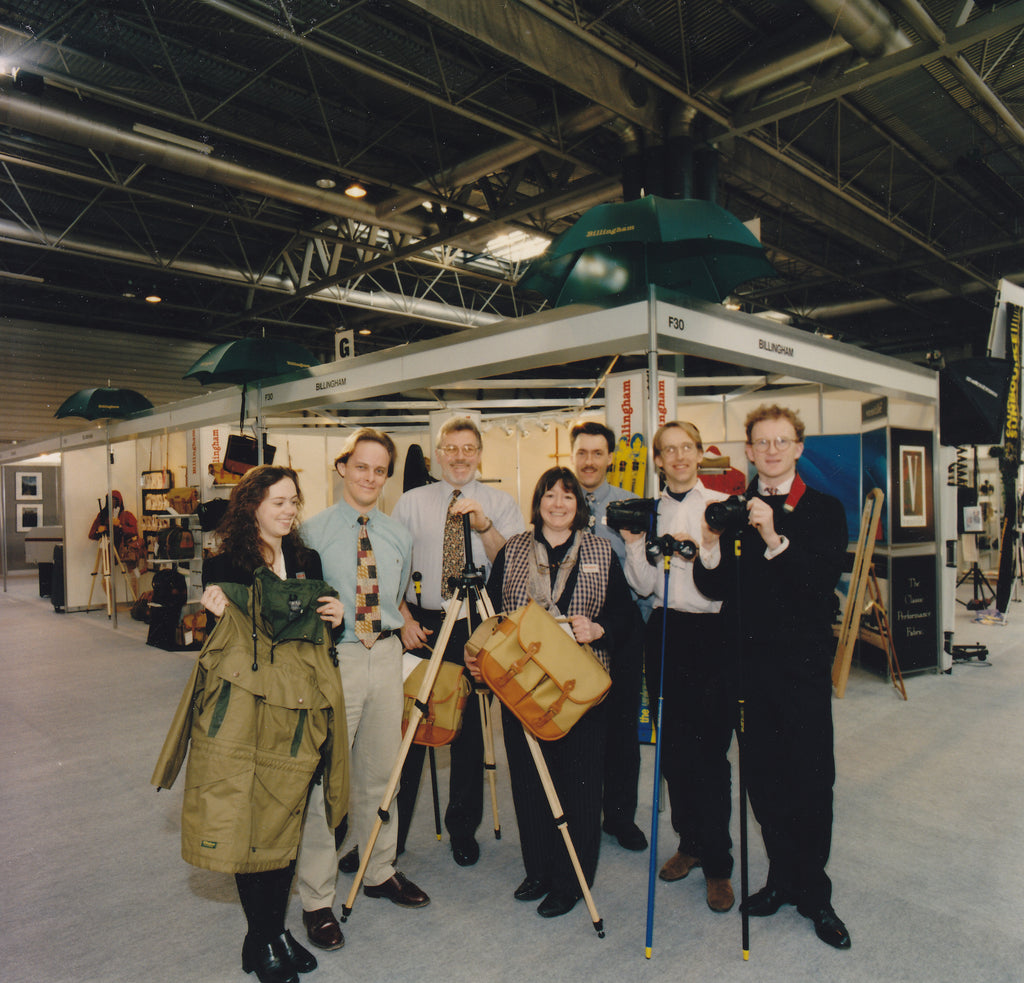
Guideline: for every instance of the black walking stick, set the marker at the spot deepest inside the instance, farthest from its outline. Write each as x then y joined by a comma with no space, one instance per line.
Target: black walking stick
483,612
417,580
651,880
740,738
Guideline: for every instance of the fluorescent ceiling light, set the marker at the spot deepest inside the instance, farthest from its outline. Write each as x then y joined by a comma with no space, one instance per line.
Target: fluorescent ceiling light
151,131
517,246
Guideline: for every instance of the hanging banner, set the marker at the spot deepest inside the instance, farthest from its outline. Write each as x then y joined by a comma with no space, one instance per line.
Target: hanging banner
626,408
625,402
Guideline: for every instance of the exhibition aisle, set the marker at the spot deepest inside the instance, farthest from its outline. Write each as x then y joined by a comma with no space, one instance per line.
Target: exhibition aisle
927,862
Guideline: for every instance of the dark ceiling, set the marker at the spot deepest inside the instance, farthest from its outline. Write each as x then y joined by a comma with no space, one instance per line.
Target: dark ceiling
879,144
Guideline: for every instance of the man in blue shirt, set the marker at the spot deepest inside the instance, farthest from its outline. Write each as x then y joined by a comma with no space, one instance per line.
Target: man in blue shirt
370,663
593,446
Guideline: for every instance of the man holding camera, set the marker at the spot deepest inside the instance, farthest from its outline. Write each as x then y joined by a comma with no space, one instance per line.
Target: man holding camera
697,711
778,575
593,446
433,514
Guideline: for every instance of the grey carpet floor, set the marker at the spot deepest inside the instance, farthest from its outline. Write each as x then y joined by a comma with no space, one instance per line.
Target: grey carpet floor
927,859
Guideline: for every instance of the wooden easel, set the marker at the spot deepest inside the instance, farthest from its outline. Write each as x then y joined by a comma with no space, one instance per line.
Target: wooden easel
865,596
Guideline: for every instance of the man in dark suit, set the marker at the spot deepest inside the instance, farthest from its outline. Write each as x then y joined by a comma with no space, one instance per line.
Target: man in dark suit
782,598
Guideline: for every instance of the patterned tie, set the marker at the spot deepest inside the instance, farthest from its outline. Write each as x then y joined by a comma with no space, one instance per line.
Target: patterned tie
591,499
453,549
368,625
771,491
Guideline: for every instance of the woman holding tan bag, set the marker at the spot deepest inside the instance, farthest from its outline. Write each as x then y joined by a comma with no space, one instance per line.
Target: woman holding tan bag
576,576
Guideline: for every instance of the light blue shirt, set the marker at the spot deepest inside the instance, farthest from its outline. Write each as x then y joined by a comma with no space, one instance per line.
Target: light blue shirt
334,534
598,509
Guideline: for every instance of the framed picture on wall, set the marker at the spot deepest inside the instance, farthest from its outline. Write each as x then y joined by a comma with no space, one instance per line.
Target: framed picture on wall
29,517
29,484
912,506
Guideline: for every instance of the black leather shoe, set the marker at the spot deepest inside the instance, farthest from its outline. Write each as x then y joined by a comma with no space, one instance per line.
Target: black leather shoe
349,863
531,889
465,850
399,890
265,960
301,958
827,926
322,929
630,836
767,901
557,903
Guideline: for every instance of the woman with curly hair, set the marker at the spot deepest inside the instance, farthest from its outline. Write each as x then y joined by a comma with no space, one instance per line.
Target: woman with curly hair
260,529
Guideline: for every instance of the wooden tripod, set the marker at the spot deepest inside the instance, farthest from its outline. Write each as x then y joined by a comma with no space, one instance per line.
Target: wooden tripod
102,568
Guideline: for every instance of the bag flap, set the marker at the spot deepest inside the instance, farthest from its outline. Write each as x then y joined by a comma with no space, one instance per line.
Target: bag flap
449,682
544,640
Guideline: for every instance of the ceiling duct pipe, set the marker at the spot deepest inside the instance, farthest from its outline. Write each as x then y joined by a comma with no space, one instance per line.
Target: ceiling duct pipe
46,117
632,158
679,153
437,312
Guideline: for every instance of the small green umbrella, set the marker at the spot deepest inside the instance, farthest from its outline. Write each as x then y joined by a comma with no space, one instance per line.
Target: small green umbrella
103,403
614,251
248,359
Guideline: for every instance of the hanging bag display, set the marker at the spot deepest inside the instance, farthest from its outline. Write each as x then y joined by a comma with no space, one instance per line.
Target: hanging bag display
538,671
442,721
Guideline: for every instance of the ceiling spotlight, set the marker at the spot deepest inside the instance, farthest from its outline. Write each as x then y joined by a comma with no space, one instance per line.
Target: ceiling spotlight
365,331
153,297
326,183
355,190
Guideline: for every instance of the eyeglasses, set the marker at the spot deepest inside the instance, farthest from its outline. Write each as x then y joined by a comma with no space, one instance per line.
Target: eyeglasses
677,450
780,444
467,450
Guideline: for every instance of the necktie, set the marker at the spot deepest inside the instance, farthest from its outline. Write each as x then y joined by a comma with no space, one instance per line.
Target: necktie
453,549
591,499
368,625
771,491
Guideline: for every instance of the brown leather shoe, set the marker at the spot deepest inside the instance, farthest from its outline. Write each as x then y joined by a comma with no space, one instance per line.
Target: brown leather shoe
399,890
720,894
678,866
322,929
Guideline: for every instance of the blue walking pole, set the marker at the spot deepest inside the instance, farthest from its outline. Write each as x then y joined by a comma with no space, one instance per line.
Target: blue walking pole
652,876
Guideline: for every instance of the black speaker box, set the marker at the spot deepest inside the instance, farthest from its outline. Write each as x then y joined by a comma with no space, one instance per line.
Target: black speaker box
972,401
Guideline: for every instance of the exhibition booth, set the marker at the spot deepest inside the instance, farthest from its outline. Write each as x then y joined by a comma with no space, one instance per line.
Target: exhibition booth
872,421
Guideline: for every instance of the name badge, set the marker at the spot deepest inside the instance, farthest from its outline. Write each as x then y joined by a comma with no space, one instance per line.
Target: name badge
590,568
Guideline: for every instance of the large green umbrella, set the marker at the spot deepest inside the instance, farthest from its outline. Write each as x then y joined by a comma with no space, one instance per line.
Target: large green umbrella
103,403
611,254
248,359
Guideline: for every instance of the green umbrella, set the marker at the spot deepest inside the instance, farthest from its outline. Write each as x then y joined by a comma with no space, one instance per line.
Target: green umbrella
248,359
614,251
103,403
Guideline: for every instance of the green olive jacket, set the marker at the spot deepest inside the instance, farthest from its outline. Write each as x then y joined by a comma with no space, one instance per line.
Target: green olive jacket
265,714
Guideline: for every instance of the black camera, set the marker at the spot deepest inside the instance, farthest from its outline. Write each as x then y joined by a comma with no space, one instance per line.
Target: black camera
729,513
640,515
637,515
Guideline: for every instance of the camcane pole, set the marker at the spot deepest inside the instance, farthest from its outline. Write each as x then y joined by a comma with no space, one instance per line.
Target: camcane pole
417,580
420,707
652,874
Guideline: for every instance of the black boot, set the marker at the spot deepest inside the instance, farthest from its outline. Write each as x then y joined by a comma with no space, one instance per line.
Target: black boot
265,959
